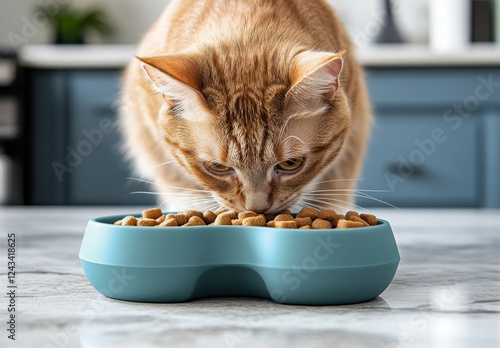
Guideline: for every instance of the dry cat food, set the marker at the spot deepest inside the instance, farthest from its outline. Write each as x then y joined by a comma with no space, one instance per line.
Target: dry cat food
307,218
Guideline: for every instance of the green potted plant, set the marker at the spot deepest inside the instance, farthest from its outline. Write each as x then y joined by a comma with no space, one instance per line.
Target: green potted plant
70,25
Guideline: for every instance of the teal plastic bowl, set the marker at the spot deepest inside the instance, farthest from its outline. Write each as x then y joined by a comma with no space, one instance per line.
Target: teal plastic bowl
177,264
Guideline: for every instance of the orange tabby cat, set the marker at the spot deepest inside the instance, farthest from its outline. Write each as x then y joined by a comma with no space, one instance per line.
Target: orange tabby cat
250,104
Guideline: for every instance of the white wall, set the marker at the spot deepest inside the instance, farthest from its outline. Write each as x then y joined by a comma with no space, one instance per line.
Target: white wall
131,18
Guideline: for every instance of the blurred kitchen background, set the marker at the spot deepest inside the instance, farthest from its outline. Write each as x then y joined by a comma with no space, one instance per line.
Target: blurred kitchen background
432,68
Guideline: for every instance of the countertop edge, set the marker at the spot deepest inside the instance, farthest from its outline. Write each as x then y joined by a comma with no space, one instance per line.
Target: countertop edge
384,56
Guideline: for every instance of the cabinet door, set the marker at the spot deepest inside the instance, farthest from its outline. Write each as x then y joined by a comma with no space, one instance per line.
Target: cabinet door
420,160
491,185
101,176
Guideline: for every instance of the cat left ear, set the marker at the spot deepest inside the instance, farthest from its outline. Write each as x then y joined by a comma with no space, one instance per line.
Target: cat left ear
176,77
314,77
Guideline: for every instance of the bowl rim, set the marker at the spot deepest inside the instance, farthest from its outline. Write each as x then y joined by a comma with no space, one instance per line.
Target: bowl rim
381,224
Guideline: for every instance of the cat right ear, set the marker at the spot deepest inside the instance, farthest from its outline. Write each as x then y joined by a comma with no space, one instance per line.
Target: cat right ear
315,79
177,78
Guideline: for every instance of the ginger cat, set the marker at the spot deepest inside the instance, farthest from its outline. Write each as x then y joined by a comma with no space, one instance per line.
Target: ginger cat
248,104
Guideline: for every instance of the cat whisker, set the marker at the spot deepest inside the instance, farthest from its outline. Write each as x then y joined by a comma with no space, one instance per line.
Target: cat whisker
282,130
162,164
167,186
296,207
191,203
347,204
359,194
173,194
344,190
294,137
337,180
311,203
214,206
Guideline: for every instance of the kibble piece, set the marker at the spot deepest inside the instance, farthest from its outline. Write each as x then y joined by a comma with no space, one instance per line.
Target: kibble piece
161,219
307,218
129,221
246,214
303,221
306,227
308,212
348,224
153,213
232,214
285,224
259,220
195,221
358,219
190,213
351,214
220,211
172,222
181,218
146,222
369,218
284,217
321,224
209,217
327,214
223,219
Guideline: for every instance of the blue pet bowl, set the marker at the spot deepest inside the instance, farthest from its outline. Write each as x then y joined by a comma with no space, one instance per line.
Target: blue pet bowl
177,264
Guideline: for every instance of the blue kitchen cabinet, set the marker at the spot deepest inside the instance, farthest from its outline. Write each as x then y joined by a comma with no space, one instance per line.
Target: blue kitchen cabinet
435,138
422,152
75,150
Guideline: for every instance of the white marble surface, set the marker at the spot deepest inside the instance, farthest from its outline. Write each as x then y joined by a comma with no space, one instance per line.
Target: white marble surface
446,293
116,56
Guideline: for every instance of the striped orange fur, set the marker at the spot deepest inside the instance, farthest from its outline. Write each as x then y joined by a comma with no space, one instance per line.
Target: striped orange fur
251,102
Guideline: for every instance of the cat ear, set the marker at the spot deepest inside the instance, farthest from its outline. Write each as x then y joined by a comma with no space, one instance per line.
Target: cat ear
314,78
176,77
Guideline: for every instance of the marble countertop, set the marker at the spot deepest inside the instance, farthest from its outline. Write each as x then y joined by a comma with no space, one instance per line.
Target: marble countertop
446,293
116,56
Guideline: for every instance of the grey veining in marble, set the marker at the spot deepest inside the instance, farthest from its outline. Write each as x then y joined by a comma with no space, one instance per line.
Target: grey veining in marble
446,293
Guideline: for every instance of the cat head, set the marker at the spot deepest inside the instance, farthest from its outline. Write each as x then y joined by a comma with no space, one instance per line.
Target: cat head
252,129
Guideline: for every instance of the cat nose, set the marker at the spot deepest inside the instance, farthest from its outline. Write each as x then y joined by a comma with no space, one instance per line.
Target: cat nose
258,209
257,201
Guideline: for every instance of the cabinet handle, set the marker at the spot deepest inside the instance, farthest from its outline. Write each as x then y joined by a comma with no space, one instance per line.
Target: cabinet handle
418,172
104,111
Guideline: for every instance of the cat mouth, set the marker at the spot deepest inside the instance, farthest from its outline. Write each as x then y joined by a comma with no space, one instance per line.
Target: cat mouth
274,208
284,205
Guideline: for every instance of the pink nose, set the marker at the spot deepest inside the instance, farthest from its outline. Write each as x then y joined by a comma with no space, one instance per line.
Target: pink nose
259,209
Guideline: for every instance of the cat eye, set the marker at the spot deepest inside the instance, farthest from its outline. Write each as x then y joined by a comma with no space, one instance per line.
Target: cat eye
290,165
217,168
